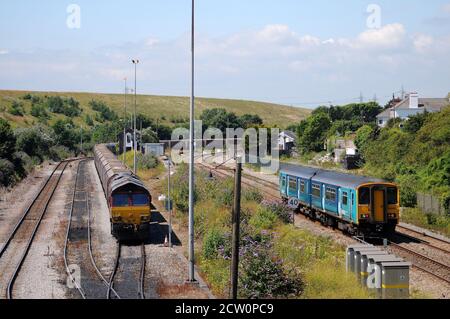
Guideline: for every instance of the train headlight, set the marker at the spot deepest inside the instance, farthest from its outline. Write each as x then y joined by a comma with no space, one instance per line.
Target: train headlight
392,216
117,219
145,218
365,216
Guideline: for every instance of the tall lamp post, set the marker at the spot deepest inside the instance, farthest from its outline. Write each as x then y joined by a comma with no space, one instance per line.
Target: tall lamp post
191,162
135,62
125,124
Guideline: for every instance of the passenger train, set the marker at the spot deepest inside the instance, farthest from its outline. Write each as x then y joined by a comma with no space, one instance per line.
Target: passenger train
356,204
128,199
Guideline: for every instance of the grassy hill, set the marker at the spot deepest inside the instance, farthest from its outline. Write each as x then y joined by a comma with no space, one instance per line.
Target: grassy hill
167,109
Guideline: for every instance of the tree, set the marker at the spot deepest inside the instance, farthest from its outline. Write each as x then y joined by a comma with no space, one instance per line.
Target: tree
7,140
220,119
313,132
65,133
16,109
363,136
415,122
35,141
250,120
149,136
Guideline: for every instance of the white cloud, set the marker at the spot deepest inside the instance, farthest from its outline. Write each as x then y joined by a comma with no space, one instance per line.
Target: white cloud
3,52
389,36
422,42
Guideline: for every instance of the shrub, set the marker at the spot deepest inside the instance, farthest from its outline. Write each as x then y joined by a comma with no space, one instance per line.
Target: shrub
263,219
6,172
146,161
105,113
7,139
59,152
280,209
16,109
408,190
212,242
252,194
39,111
262,273
35,141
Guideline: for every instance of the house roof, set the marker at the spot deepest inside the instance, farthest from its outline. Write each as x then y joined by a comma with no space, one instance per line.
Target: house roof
429,104
289,134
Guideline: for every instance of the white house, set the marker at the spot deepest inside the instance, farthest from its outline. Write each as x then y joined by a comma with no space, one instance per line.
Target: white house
286,141
411,105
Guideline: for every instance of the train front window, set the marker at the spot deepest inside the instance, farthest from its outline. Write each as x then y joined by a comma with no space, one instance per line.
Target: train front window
392,195
120,200
140,200
364,196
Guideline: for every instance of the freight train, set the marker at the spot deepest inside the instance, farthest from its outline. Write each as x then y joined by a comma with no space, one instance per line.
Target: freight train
129,201
355,204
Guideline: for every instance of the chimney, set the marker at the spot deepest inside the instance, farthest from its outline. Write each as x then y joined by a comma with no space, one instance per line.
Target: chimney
413,100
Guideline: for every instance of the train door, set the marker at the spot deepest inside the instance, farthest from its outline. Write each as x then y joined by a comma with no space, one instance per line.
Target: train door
379,205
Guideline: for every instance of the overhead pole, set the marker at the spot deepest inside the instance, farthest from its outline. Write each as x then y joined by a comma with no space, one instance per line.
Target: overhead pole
135,62
191,153
125,124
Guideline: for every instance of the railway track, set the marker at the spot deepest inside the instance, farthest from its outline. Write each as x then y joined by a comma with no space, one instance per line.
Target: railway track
20,240
432,242
424,263
78,242
269,188
128,276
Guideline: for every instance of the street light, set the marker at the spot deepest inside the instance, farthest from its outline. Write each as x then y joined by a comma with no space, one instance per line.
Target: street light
191,162
125,124
135,62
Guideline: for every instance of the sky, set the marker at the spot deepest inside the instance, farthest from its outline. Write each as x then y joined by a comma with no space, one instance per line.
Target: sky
301,53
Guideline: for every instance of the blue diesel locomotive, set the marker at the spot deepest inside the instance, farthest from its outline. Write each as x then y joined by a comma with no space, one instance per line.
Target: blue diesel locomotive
356,204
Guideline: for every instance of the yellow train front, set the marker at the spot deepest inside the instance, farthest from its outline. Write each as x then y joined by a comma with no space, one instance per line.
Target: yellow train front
129,201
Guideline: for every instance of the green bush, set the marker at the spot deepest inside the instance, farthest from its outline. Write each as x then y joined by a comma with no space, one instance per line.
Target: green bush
6,172
35,141
16,109
7,139
39,111
264,219
146,161
59,152
212,242
104,112
252,195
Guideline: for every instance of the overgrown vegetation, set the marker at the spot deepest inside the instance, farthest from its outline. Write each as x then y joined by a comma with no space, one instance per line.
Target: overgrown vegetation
277,260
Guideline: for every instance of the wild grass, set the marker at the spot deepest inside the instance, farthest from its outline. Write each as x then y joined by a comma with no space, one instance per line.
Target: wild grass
161,108
437,223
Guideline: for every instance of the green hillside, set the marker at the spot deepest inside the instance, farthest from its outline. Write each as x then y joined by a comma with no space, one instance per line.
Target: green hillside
167,110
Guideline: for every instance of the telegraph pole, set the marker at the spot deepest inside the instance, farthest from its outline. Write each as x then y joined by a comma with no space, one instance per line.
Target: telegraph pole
169,206
135,62
191,162
236,224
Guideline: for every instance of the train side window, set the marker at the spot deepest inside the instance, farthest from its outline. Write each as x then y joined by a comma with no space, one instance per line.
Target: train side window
302,187
392,195
316,190
120,200
140,200
292,183
344,198
330,194
364,196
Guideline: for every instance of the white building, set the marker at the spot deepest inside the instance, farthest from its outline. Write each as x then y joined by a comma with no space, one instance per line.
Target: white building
286,141
412,105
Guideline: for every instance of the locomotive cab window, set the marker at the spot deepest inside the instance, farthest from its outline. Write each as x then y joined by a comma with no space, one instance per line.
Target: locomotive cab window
330,194
364,196
392,195
344,198
120,200
302,187
140,200
316,190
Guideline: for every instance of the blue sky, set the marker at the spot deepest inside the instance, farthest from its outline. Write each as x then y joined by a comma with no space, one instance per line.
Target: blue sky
286,51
